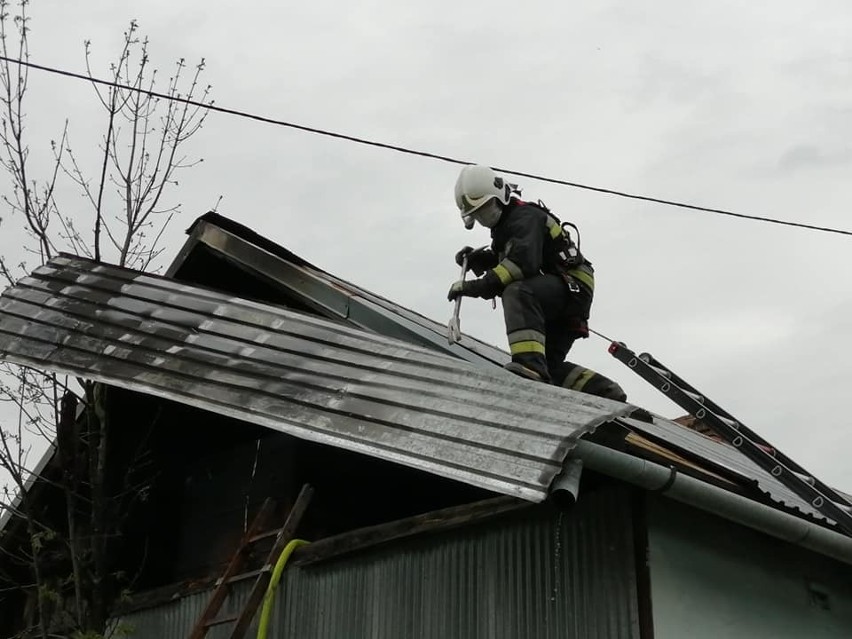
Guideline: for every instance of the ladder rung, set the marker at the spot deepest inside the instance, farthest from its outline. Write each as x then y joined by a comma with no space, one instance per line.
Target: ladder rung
266,535
245,575
732,424
660,371
695,396
729,422
805,478
220,621
844,507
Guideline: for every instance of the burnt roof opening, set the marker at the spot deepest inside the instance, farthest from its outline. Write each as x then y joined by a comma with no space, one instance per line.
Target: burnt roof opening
207,475
203,265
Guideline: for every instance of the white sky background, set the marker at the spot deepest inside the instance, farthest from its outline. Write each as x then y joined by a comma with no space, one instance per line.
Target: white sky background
730,105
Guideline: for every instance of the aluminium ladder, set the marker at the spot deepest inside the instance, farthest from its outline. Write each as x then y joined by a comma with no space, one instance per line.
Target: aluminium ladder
820,496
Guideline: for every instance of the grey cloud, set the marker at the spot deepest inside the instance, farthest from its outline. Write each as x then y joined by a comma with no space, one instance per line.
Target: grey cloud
810,156
681,100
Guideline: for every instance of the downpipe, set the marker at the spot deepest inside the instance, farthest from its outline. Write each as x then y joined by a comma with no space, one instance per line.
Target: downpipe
566,487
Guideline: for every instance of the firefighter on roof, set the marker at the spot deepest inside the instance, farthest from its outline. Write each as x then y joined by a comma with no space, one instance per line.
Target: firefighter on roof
545,282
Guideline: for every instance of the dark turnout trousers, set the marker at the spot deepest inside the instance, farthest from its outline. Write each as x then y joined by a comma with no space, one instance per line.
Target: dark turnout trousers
541,316
586,380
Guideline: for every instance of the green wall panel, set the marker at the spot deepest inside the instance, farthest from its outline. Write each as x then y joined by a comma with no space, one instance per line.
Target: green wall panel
714,579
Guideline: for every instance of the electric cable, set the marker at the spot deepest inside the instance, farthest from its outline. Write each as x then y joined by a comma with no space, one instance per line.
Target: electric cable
425,154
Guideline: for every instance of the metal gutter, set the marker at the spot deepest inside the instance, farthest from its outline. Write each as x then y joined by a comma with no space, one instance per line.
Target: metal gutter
730,506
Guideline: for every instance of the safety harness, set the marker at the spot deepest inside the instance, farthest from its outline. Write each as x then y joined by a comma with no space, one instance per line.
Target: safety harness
567,259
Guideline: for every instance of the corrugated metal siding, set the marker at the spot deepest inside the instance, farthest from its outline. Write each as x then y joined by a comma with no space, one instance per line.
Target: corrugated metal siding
301,375
168,621
726,456
535,575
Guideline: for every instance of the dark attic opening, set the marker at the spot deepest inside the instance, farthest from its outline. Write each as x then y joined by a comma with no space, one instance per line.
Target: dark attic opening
184,485
199,479
217,268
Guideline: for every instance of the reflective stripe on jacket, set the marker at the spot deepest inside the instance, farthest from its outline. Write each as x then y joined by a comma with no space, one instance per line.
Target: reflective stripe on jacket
527,240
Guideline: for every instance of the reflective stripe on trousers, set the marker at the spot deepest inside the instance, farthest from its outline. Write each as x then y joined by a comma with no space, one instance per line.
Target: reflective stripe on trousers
579,378
536,311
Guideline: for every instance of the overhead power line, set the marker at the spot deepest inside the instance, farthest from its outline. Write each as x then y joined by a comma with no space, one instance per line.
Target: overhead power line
425,154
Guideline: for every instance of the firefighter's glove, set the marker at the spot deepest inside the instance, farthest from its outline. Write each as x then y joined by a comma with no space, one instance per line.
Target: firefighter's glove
478,260
468,288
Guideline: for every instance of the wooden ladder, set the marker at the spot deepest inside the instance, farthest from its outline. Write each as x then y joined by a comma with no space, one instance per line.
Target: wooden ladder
283,536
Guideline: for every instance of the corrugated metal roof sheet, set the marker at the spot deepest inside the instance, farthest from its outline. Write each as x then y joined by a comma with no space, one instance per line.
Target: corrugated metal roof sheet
309,377
329,295
338,298
681,438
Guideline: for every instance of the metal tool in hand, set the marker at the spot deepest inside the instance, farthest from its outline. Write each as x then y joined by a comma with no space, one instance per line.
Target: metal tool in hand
454,327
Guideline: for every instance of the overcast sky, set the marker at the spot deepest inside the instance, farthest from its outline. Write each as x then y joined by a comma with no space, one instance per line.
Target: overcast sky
744,106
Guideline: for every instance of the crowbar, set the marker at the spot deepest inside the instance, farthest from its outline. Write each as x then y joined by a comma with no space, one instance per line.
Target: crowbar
454,326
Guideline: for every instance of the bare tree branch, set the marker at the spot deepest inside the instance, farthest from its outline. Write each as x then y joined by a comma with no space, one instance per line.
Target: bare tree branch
125,190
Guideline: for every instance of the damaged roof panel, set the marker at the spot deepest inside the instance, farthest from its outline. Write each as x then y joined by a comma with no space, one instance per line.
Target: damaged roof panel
305,376
726,456
328,295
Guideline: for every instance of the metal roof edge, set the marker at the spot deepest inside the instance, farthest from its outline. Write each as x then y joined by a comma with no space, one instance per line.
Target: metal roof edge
309,376
7,512
327,293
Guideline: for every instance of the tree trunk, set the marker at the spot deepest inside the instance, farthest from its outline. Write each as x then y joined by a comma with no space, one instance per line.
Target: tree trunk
97,479
67,438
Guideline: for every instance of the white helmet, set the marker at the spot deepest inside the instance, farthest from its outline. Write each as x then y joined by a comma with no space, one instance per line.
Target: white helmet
478,186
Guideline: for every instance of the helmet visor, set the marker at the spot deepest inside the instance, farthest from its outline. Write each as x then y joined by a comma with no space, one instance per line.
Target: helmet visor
468,206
